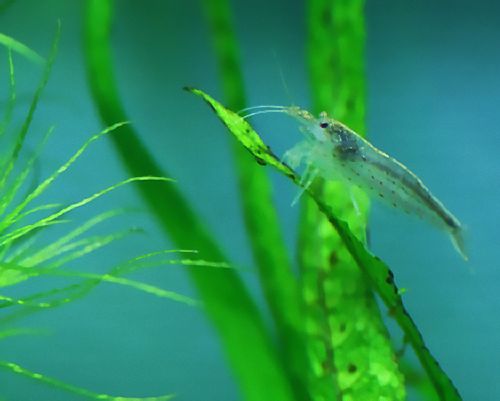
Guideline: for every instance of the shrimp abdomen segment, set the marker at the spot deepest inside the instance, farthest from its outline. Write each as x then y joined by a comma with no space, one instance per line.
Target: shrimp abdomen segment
387,179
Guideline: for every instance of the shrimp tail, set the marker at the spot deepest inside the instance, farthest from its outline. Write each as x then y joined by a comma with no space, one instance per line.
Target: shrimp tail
458,240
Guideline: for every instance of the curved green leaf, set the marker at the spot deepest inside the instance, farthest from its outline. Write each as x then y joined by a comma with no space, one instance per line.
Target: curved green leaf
19,370
379,275
226,299
21,48
276,275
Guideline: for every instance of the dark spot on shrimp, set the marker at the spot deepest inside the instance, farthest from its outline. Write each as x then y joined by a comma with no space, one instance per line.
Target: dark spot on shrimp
381,183
352,368
451,222
381,194
342,327
373,177
394,204
323,125
345,153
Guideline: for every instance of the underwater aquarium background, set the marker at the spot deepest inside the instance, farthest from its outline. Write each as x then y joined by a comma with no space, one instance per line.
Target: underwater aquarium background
433,96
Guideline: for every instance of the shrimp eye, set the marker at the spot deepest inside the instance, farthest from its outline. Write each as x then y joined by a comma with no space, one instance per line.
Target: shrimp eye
323,125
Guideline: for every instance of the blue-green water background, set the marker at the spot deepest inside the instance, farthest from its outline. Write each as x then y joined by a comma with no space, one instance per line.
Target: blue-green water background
433,101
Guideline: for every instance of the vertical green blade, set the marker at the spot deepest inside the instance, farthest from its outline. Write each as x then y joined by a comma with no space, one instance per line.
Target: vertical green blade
264,232
354,352
227,301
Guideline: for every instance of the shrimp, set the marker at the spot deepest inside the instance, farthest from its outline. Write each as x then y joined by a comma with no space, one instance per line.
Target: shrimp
336,153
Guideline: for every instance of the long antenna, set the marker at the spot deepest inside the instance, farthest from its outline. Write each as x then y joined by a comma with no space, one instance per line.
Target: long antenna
264,112
282,78
260,107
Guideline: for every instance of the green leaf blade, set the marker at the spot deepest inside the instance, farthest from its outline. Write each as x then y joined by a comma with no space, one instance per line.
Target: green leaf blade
376,271
226,299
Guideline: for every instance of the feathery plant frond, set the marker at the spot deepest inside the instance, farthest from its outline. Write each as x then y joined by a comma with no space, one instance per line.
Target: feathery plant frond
22,259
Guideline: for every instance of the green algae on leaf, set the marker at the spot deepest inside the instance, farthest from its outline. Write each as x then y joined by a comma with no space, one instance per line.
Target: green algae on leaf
379,275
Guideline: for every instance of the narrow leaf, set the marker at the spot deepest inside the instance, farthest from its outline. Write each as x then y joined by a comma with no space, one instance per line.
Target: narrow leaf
19,370
276,275
380,276
20,48
226,299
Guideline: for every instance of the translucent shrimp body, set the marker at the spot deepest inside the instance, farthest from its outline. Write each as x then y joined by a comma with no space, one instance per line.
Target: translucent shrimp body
335,152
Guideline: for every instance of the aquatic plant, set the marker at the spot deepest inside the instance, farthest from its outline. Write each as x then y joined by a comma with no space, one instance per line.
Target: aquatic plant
327,320
30,251
329,340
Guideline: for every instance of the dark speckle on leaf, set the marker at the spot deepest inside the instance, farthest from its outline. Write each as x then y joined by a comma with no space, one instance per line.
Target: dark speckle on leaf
390,278
262,162
326,16
333,258
352,368
212,107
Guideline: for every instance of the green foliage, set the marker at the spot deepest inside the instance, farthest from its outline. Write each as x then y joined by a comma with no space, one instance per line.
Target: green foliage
14,368
343,312
20,48
21,227
379,275
328,340
227,302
